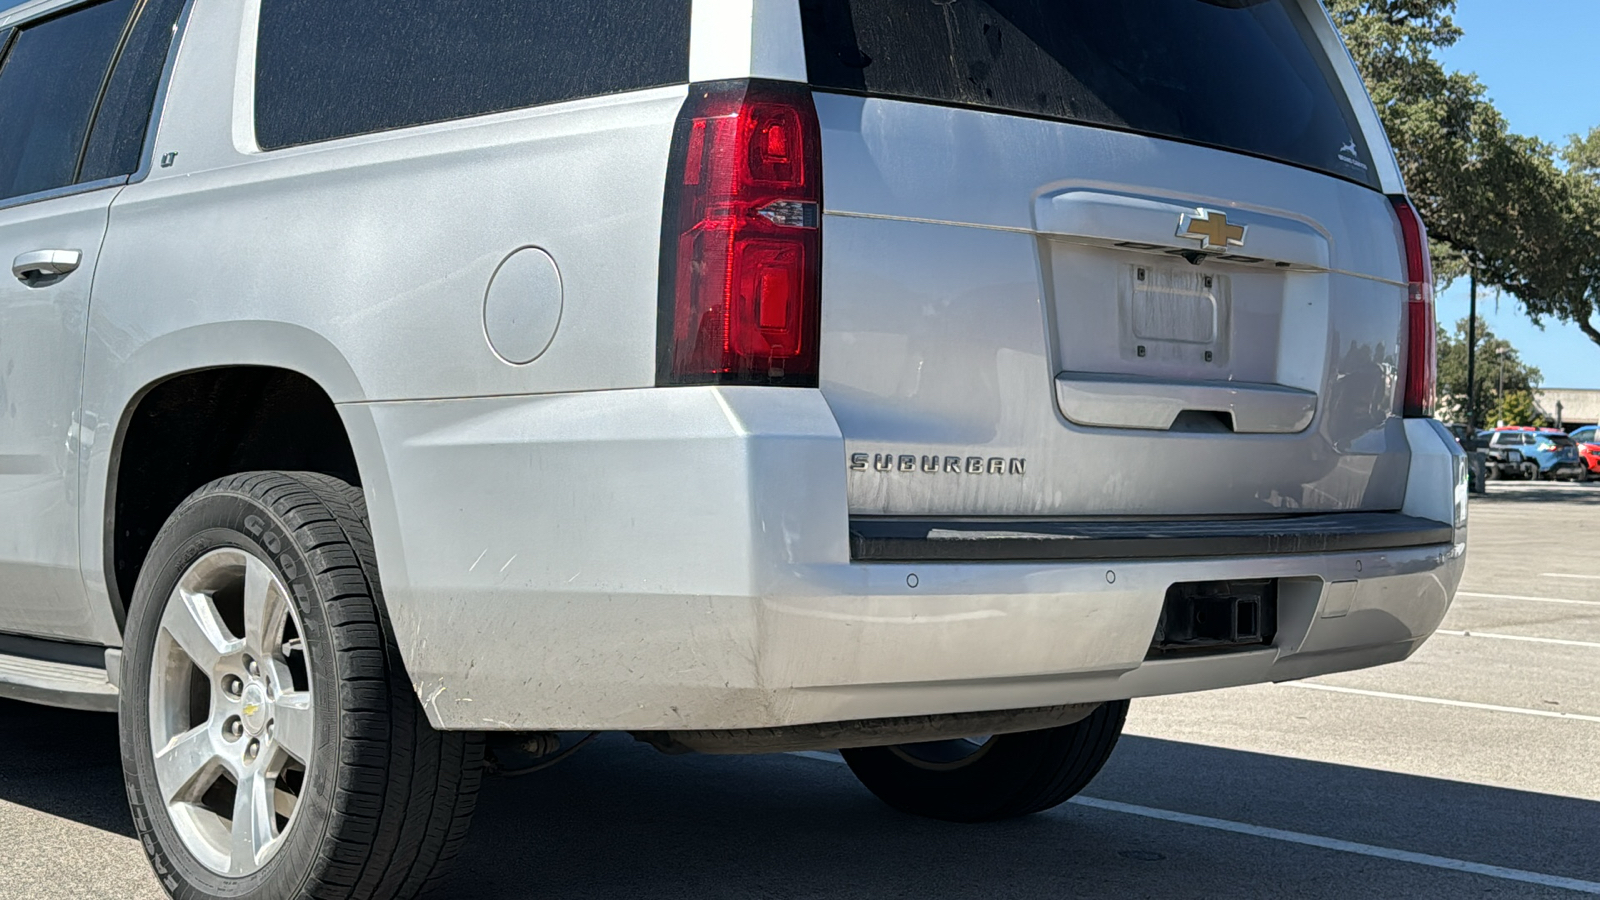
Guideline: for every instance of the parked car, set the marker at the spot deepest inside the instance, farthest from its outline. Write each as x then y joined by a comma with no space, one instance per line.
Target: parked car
793,375
1588,449
1547,453
1503,452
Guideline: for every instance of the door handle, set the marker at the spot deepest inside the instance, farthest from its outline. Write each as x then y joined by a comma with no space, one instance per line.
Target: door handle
41,264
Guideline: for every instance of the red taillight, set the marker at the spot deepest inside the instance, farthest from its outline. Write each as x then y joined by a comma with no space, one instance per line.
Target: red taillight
1422,362
741,242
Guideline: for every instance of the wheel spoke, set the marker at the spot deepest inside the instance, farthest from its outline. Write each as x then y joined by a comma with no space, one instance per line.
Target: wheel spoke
264,609
253,814
283,802
292,728
186,767
192,620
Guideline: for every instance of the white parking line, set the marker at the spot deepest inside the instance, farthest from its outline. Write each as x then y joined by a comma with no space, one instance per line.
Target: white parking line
1519,637
1529,599
1326,843
1309,840
1437,701
1566,575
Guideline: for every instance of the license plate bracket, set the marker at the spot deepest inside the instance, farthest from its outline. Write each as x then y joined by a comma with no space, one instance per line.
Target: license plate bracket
1175,315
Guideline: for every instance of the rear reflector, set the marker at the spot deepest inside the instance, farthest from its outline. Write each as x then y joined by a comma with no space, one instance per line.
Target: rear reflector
1421,355
741,238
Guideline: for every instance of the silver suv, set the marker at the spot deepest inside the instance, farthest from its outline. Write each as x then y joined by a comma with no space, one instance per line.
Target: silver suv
921,378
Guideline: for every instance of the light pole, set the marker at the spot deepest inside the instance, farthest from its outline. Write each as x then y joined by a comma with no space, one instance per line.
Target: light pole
1500,417
1472,352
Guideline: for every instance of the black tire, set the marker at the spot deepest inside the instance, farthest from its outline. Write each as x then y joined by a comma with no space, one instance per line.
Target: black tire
1010,775
389,799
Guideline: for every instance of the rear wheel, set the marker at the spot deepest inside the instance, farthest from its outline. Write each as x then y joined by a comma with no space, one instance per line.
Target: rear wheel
992,778
271,743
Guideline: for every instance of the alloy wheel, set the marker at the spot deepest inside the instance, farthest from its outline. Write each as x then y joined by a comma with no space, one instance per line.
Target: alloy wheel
231,711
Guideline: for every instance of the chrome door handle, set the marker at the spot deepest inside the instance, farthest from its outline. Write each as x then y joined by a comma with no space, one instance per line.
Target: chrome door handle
45,263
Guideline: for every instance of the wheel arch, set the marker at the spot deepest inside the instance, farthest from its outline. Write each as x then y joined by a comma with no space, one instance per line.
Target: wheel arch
218,365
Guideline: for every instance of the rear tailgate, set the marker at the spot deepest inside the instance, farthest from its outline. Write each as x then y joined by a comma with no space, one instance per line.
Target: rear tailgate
1061,280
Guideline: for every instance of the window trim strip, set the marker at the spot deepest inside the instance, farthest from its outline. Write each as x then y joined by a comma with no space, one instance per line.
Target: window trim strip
158,105
64,191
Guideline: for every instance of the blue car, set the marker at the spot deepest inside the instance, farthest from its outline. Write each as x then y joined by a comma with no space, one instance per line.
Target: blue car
1546,453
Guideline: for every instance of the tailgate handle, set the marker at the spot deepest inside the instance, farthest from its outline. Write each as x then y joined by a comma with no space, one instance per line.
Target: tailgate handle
1131,401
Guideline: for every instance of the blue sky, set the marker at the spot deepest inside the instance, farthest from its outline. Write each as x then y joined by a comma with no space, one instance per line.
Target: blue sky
1537,59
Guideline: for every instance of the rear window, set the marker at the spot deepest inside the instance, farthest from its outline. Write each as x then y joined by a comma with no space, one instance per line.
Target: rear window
327,69
1242,75
1560,440
49,85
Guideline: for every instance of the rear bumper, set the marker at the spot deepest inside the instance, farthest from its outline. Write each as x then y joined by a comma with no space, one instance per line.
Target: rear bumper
680,559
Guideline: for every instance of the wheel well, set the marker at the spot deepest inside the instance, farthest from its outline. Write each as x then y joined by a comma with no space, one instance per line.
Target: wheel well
195,428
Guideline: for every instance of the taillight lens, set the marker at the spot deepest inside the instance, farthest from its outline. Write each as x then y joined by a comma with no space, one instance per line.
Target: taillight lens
1421,355
741,242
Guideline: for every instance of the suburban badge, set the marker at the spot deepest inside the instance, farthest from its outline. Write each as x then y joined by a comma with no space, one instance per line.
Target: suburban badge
937,465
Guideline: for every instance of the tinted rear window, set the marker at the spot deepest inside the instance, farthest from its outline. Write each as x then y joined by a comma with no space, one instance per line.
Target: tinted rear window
331,69
1244,75
49,85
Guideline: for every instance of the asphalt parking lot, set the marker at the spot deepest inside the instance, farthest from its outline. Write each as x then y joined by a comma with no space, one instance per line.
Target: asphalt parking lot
1471,769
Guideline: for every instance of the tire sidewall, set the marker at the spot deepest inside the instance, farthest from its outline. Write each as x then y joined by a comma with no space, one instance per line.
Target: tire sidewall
205,522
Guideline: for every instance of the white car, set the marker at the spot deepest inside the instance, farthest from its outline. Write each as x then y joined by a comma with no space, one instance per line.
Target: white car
924,380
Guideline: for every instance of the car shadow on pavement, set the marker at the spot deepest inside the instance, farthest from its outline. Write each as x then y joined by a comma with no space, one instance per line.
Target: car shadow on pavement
64,763
620,820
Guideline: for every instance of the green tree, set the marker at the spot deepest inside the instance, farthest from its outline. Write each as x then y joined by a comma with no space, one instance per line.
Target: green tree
1500,373
1494,201
1516,408
1582,153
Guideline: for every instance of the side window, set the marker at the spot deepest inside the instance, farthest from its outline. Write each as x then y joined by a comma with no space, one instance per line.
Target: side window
326,70
49,84
116,143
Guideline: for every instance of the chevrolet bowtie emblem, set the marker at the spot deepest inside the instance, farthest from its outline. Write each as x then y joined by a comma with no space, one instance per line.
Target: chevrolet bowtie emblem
1211,228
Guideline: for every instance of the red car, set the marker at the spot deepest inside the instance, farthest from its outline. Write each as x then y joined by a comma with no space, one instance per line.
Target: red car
1588,448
